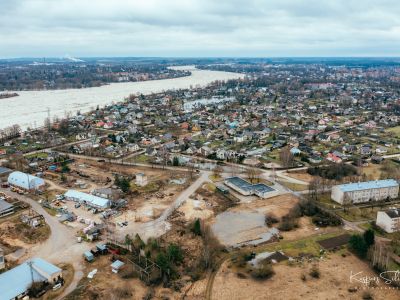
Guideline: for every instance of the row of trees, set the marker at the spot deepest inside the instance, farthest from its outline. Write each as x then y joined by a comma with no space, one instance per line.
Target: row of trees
319,216
333,171
10,132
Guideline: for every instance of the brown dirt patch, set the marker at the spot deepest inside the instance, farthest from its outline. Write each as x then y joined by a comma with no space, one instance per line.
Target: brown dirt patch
306,228
333,283
303,176
334,242
279,206
99,287
15,229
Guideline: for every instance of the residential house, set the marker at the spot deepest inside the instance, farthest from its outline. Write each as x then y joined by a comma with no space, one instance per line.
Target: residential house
389,220
333,158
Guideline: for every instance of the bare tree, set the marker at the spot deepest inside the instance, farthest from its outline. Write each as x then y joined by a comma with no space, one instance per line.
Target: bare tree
347,202
286,157
253,174
211,247
313,189
217,171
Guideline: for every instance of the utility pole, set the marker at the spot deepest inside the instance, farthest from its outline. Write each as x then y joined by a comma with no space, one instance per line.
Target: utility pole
48,117
30,263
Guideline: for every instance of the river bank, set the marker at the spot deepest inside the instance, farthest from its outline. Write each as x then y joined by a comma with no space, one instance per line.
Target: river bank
31,108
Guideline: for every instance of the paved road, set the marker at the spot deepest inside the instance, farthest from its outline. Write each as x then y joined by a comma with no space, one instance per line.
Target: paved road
60,247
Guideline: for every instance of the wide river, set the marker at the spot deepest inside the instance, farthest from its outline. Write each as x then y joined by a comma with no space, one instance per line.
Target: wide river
29,109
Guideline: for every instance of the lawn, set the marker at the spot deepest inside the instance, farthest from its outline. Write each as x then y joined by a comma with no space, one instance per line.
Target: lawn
215,178
394,130
42,155
293,186
140,159
326,200
357,214
372,172
151,187
307,245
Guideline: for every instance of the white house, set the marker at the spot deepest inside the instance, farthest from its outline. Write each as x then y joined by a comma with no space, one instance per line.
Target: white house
141,179
221,154
133,147
389,220
360,192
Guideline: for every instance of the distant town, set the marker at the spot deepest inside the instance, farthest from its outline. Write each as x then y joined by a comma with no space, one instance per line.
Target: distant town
288,174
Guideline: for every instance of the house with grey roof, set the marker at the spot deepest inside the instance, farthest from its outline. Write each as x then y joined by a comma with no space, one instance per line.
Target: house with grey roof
389,220
5,208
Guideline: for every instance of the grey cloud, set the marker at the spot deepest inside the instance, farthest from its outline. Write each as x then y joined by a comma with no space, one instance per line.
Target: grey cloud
199,27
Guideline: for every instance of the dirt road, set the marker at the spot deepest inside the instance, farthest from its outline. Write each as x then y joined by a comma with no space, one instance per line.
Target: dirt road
160,225
60,247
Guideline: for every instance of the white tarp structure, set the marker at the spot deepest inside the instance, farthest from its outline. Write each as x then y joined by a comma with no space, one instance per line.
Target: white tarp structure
25,181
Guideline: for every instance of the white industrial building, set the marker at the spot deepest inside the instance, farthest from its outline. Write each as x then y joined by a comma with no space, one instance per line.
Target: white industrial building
88,199
246,189
389,220
25,181
14,284
366,191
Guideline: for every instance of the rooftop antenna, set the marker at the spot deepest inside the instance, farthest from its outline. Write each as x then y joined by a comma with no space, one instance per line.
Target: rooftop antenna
48,117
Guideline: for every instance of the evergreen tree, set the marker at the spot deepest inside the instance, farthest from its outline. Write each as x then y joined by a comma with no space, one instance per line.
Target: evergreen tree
357,243
369,237
196,229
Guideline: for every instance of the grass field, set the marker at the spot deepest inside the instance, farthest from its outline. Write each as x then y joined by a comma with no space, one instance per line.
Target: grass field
141,159
394,130
307,245
293,186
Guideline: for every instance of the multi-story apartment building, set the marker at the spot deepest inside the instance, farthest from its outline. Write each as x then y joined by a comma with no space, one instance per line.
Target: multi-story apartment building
365,191
389,220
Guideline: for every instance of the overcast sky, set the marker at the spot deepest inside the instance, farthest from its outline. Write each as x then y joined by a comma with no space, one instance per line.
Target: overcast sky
199,28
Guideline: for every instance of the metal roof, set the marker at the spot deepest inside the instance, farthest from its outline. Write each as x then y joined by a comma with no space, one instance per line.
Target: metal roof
367,185
5,205
240,183
246,186
17,280
88,254
4,170
262,188
88,198
393,213
117,264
